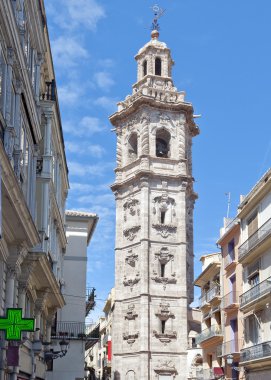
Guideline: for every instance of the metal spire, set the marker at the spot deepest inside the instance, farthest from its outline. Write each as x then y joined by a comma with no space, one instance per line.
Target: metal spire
158,12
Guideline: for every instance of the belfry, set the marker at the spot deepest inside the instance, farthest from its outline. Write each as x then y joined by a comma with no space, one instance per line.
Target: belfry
154,222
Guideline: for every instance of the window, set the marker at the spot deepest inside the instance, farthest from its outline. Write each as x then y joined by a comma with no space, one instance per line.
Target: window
162,143
231,249
145,68
163,326
132,147
252,224
163,215
158,66
252,329
254,280
163,267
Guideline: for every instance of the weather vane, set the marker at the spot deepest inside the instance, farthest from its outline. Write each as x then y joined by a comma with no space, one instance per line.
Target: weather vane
158,12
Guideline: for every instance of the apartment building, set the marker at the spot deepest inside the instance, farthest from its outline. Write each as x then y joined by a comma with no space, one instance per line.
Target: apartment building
99,356
34,185
211,336
254,254
231,285
69,323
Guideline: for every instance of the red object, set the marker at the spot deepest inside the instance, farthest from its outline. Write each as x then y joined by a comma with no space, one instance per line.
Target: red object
218,371
109,350
13,356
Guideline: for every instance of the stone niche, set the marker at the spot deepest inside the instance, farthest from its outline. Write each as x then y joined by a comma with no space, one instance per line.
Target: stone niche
164,215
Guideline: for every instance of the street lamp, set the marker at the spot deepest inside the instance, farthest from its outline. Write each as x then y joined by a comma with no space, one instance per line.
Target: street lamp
230,362
52,355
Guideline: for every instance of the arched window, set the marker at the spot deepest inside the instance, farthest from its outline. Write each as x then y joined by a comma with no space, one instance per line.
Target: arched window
132,147
158,66
145,68
162,143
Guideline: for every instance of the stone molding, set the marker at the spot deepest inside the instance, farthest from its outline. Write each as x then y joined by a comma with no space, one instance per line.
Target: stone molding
165,337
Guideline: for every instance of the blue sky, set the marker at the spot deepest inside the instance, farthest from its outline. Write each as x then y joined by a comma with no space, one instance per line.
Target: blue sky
223,62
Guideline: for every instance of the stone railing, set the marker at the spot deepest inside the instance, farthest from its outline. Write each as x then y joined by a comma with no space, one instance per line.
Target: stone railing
263,232
255,293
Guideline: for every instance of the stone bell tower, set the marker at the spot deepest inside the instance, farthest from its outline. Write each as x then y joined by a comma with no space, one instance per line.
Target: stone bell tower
154,223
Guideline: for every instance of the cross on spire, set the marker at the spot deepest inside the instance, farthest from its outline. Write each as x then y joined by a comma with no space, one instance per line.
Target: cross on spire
14,324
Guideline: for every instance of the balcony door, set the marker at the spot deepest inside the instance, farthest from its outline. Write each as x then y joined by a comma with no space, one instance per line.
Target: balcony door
234,335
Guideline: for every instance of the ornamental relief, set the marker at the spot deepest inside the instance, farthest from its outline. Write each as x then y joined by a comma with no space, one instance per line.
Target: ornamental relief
131,216
131,281
167,367
164,211
163,313
131,259
165,337
164,280
163,256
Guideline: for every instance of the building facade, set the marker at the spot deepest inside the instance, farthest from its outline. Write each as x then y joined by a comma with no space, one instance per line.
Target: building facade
154,223
231,285
211,336
69,322
34,185
254,254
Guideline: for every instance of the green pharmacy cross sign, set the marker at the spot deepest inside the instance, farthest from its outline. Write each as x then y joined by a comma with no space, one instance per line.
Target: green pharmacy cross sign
14,324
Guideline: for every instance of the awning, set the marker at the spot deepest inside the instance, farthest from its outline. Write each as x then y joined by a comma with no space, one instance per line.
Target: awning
218,371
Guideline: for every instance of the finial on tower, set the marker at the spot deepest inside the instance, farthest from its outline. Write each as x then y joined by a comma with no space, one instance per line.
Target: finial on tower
158,12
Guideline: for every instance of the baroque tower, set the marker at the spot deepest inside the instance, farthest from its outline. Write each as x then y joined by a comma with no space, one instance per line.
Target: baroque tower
154,223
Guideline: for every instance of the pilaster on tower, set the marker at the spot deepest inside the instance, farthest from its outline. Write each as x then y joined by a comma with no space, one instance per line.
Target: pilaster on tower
154,222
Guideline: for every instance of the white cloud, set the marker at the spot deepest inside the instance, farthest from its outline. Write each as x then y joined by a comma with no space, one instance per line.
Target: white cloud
103,80
94,150
72,14
110,104
67,52
106,63
88,188
81,169
69,94
87,126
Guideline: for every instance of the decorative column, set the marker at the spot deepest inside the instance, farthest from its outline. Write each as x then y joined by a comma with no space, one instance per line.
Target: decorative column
9,131
10,287
17,153
37,79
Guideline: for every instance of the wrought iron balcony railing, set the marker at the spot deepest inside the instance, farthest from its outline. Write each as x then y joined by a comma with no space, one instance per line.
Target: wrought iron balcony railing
209,295
90,300
73,330
230,299
259,236
214,330
230,258
232,346
255,293
258,351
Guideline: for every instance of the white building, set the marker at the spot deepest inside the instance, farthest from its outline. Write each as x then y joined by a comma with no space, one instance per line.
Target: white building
154,223
254,253
69,323
34,182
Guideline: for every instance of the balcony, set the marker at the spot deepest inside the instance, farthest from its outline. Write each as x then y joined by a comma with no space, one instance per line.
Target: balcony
50,92
229,260
259,351
254,240
232,347
73,331
231,300
209,296
209,333
90,300
256,294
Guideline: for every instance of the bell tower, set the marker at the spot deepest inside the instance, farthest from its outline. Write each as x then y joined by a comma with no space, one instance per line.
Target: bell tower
154,222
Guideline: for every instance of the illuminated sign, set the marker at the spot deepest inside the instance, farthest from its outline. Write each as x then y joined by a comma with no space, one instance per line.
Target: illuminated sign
14,324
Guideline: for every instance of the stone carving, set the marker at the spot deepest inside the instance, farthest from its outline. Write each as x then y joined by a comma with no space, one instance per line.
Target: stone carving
182,141
119,149
131,338
130,233
131,281
164,230
166,368
165,337
131,207
164,280
164,209
130,375
145,121
131,259
131,313
164,313
164,119
164,256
